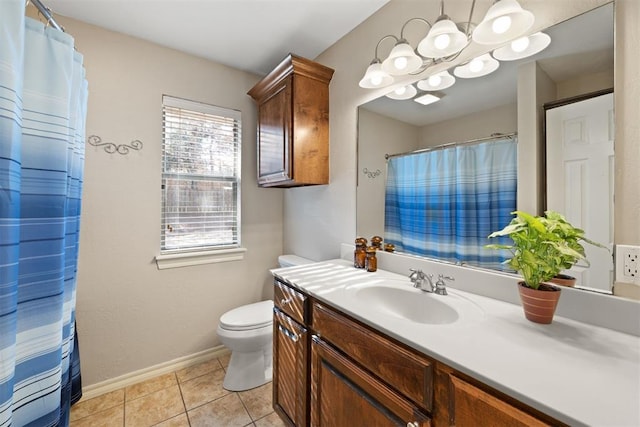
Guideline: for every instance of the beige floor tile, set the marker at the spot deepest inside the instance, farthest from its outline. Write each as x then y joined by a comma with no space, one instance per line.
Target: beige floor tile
198,370
179,421
271,420
91,406
138,390
224,360
154,408
113,417
227,411
203,389
258,400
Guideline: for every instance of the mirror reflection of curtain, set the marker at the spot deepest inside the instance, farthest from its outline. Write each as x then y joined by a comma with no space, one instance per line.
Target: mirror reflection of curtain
444,203
43,98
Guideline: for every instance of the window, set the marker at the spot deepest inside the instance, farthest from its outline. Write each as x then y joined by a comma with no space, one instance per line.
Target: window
200,178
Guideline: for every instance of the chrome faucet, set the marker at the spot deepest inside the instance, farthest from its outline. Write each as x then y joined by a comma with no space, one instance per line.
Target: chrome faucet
440,287
418,277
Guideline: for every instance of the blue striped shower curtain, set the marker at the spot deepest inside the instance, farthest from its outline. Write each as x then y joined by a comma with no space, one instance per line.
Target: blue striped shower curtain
43,96
444,203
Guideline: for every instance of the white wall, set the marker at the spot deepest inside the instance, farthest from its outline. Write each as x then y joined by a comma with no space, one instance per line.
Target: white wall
131,315
502,119
317,220
384,135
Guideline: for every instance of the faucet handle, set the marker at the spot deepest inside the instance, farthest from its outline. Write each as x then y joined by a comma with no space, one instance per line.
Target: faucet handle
441,286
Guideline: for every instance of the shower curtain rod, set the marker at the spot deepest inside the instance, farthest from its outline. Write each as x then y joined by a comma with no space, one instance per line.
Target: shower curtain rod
46,12
453,144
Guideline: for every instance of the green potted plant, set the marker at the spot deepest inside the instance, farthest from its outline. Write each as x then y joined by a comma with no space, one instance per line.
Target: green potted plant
542,247
570,238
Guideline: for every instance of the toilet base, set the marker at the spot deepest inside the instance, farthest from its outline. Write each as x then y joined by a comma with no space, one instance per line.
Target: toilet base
248,370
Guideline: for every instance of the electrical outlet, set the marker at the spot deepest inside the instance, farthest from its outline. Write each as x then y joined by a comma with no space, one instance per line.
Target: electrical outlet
628,264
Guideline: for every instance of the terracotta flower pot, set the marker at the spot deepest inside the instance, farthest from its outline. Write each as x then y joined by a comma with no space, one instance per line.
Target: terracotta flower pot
564,280
539,304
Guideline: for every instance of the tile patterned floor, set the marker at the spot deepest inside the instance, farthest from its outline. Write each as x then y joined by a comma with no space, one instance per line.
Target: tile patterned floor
191,397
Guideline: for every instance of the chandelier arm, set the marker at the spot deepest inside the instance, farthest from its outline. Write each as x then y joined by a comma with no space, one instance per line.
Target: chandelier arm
426,64
413,19
473,6
454,56
381,40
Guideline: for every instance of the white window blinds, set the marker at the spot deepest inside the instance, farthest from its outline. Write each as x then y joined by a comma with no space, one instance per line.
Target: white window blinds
200,176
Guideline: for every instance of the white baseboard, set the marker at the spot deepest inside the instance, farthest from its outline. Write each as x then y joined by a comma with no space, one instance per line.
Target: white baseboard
131,378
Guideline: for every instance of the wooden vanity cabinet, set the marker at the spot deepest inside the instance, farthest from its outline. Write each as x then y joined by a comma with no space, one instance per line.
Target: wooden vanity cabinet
333,370
290,355
293,124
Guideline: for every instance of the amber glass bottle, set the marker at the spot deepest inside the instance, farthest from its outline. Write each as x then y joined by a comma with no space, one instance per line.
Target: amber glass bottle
372,261
360,255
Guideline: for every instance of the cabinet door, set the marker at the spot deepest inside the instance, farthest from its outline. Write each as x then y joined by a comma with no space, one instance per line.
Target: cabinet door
343,394
274,135
289,369
474,407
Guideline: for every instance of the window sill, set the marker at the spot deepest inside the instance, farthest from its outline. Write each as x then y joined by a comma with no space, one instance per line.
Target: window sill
186,259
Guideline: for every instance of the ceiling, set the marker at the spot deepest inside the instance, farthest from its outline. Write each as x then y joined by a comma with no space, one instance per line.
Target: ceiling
251,35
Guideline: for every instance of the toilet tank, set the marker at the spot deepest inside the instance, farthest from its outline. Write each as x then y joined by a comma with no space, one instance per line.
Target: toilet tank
292,260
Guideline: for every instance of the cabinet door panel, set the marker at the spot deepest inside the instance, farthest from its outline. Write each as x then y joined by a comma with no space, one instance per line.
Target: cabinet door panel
274,135
475,408
289,369
343,394
406,371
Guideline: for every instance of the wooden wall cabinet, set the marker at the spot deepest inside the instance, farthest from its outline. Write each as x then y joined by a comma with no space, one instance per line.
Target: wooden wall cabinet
338,372
293,124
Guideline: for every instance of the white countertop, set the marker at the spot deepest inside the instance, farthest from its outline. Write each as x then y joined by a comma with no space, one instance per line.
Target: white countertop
577,373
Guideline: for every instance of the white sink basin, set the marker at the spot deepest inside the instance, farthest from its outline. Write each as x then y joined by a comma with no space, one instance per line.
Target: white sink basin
411,304
405,302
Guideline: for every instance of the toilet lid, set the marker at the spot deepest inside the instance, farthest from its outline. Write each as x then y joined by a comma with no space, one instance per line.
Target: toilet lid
251,316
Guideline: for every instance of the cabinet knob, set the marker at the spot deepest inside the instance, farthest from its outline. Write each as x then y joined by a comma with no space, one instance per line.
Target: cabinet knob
285,301
413,424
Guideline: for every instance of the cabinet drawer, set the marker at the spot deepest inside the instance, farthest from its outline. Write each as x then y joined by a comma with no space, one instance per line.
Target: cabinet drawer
404,370
290,301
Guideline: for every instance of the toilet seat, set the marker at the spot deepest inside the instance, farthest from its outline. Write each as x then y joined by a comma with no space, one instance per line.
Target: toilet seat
247,317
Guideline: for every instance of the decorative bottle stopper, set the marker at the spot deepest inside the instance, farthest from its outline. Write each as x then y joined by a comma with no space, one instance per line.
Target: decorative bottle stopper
376,242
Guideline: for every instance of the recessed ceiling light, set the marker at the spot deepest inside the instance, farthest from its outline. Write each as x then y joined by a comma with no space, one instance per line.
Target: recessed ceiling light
427,99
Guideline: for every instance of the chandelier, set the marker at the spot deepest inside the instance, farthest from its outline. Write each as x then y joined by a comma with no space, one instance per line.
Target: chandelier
504,25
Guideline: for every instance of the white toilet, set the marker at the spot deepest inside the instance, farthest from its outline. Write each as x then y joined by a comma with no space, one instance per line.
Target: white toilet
248,332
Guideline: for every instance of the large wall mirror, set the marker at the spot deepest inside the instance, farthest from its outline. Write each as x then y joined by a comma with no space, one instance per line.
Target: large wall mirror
579,60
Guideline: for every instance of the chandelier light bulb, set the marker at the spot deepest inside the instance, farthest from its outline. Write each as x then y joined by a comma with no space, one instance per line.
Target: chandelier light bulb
435,80
476,65
501,25
400,62
520,45
402,93
438,81
400,90
442,41
376,80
